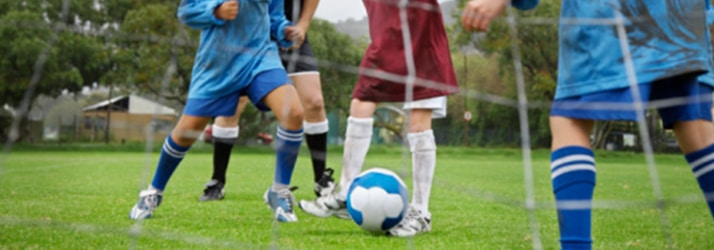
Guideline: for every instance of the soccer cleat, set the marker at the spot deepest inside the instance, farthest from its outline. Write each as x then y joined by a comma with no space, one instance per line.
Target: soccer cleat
326,206
413,223
149,200
326,184
214,191
281,202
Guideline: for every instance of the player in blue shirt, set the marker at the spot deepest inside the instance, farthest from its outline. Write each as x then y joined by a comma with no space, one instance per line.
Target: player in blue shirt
302,70
235,57
667,48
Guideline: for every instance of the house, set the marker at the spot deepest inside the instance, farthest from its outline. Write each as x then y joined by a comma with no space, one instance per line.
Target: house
130,118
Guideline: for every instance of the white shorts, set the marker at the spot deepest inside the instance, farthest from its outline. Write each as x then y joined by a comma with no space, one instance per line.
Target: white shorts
436,104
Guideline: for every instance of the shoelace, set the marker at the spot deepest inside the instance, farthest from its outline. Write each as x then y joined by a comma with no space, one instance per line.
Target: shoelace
331,202
286,194
151,201
414,219
326,177
212,190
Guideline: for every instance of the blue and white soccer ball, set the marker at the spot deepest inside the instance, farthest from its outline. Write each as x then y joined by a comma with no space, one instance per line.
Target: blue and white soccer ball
377,200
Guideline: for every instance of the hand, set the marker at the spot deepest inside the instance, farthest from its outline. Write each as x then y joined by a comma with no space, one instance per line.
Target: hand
478,14
295,34
227,10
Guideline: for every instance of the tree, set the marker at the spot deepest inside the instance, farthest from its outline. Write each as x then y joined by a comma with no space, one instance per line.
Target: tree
66,33
21,48
496,123
155,40
338,57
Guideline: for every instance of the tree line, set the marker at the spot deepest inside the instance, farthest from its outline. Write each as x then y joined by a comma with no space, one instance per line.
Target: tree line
139,46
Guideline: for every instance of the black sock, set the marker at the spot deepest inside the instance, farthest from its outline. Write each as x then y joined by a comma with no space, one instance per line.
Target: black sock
317,143
221,155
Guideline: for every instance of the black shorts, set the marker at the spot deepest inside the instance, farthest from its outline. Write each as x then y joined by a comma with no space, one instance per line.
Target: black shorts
299,60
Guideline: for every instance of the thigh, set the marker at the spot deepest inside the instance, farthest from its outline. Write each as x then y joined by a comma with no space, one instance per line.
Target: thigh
307,85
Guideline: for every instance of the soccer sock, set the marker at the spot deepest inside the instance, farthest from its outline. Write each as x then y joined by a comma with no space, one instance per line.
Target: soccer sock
171,156
357,140
287,147
702,163
223,140
316,138
423,148
572,171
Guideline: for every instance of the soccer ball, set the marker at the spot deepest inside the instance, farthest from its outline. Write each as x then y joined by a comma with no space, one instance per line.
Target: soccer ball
377,200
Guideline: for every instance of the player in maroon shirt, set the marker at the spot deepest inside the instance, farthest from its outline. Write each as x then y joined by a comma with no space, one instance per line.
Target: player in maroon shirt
387,75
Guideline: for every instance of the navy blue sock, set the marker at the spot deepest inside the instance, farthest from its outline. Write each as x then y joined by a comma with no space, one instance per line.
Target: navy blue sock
702,163
573,174
171,156
287,146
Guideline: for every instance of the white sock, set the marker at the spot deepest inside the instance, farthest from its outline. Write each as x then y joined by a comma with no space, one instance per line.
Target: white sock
357,140
423,148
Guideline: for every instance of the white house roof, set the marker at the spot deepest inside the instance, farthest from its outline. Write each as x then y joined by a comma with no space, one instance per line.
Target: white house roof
133,104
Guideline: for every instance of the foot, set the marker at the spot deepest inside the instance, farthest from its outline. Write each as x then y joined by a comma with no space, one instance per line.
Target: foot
281,202
326,206
214,191
414,222
326,184
149,200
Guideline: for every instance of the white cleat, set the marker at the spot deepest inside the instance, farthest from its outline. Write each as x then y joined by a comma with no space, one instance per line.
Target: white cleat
326,206
413,223
281,202
149,200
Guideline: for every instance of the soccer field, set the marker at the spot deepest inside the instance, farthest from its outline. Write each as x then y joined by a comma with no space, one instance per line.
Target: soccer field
80,200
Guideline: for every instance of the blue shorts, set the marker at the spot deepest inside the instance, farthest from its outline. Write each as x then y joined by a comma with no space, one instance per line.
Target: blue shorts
262,84
679,98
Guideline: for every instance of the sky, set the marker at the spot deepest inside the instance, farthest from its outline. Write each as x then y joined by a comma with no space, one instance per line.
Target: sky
340,10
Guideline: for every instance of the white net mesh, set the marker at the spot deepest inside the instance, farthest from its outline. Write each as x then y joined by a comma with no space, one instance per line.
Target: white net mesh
506,69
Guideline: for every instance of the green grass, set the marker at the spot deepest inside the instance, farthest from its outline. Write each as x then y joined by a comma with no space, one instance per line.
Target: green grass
65,199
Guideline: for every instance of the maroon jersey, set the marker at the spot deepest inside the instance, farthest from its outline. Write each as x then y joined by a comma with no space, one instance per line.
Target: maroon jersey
385,53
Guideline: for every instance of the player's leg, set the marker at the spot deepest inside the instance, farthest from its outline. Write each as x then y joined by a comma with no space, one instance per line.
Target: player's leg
196,115
315,128
693,128
225,132
696,138
573,178
357,140
271,90
173,151
422,146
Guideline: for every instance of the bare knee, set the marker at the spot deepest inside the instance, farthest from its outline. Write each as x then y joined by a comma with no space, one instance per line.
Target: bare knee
291,117
313,104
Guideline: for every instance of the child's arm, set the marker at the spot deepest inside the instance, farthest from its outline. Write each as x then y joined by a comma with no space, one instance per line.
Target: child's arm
478,14
201,14
278,24
303,23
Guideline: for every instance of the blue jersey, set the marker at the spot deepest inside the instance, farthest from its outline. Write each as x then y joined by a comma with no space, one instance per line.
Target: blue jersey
708,78
666,38
231,53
